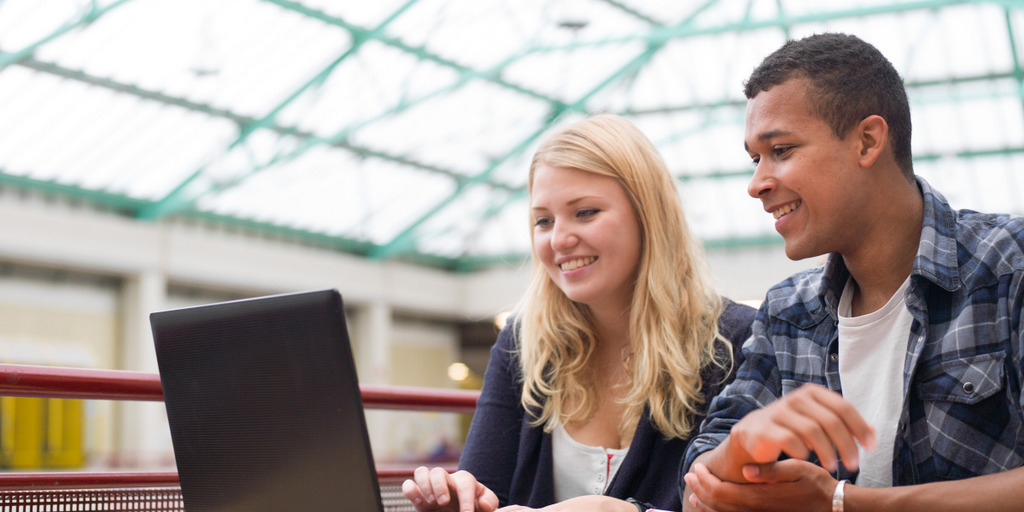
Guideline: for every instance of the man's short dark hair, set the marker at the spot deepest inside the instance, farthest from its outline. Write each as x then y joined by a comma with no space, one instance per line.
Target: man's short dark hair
849,81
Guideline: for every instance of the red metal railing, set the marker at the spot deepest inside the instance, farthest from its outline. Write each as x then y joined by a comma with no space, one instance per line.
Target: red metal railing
61,382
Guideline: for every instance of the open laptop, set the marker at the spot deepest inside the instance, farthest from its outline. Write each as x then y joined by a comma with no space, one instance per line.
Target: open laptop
264,407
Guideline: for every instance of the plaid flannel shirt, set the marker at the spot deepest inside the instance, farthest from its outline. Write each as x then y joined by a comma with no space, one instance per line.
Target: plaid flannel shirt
962,410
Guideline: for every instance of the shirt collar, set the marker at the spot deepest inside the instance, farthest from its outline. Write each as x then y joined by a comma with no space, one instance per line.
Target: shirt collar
937,254
936,258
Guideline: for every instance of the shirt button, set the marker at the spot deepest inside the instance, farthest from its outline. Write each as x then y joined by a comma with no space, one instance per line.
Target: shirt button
600,478
834,357
968,388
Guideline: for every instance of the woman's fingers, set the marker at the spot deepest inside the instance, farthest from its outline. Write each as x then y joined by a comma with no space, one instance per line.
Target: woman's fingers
467,490
412,492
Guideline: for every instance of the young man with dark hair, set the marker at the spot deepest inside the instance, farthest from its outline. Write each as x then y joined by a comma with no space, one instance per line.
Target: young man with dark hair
897,365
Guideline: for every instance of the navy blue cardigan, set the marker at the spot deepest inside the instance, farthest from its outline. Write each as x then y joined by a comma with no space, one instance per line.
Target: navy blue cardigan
514,459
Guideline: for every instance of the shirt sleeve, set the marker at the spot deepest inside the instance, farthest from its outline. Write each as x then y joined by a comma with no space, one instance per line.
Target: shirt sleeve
492,444
757,383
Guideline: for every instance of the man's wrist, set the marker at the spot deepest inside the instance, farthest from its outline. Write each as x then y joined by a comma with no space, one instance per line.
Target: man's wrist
726,462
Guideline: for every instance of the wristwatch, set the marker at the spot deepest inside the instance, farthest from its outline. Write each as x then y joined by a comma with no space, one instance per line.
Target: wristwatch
640,507
643,507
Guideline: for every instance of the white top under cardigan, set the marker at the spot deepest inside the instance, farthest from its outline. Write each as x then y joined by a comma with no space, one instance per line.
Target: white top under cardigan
579,469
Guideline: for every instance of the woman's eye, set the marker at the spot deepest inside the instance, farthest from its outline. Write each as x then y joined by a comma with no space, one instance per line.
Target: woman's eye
541,222
587,212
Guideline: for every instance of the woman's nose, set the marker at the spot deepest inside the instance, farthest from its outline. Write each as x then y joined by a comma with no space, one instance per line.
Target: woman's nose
563,237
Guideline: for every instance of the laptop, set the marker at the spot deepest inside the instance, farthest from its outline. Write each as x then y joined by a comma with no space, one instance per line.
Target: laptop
263,404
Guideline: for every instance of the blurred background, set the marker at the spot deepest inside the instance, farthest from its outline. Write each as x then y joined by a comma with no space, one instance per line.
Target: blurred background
162,153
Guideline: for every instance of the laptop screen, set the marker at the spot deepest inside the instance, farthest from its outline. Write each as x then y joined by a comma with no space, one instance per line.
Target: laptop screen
264,407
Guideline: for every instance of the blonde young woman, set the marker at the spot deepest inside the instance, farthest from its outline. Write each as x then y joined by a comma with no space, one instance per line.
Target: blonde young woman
607,368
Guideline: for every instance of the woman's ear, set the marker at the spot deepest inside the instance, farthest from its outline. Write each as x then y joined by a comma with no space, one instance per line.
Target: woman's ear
873,139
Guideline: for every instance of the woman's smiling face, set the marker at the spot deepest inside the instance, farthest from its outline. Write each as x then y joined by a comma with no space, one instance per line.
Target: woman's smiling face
586,234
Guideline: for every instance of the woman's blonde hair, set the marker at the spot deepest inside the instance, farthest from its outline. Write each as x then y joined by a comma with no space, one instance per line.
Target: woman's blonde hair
674,312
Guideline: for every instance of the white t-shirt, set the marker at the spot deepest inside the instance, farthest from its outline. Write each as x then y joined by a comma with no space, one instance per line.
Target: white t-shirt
872,351
580,469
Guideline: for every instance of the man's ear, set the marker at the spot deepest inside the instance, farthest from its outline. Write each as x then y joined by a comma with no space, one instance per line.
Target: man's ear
873,138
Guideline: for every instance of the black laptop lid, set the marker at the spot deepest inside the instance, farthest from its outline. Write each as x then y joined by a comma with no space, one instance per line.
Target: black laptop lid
264,407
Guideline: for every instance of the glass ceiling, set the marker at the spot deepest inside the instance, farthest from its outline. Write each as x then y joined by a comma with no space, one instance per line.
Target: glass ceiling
402,129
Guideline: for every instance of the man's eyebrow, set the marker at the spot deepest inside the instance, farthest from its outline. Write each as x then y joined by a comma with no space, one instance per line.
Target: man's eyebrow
770,134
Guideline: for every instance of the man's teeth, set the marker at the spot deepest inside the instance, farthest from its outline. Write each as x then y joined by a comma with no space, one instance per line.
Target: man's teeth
785,209
577,263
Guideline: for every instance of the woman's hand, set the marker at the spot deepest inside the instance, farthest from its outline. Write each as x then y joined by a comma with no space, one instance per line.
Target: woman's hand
436,490
593,503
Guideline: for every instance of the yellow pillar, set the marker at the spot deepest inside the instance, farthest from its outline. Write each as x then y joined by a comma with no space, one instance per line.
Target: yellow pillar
64,434
23,432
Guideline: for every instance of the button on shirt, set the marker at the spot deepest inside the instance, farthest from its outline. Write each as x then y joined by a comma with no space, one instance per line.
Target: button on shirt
961,412
581,469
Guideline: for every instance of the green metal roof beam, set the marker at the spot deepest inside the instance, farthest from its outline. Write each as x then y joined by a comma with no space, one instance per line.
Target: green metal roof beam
924,157
134,90
343,134
94,13
190,190
633,12
339,243
746,242
665,34
714,105
782,15
630,69
120,202
968,154
463,182
1018,73
417,51
184,196
407,237
128,205
741,103
493,209
471,263
380,155
749,9
330,242
238,119
493,75
467,75
655,36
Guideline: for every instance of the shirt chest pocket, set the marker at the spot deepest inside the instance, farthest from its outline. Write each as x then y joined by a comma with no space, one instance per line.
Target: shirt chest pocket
965,381
971,427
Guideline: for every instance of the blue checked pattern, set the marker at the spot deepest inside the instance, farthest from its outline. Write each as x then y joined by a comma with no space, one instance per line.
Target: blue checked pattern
962,413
